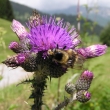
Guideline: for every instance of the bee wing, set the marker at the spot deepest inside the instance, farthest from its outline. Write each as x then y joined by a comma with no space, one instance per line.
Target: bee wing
79,62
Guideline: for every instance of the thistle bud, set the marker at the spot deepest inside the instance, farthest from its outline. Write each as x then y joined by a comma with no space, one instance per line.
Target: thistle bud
92,51
35,19
83,96
30,64
70,88
19,29
95,50
84,81
11,62
15,47
87,75
15,61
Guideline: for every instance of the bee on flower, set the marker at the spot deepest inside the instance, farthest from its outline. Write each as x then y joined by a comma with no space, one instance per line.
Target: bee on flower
49,49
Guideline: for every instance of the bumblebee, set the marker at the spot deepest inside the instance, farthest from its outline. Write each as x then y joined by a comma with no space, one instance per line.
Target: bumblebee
67,58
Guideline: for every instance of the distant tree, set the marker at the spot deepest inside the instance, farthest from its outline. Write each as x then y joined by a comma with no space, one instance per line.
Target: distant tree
105,35
6,11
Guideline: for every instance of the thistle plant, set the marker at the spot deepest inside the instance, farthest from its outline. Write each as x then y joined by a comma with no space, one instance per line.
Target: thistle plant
49,49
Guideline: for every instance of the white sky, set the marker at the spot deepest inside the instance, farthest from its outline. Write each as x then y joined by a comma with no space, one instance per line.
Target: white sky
58,4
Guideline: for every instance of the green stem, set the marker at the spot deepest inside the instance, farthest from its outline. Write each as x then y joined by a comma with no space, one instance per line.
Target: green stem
38,85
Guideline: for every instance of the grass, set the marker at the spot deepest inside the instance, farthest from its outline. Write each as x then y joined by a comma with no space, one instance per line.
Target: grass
15,97
8,37
100,86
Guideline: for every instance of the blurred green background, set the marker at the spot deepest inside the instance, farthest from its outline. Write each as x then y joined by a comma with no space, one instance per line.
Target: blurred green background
16,97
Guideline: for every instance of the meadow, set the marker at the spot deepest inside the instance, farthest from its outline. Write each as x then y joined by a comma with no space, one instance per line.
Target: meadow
17,97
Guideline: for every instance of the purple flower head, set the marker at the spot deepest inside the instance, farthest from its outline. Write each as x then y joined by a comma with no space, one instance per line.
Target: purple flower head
11,62
19,29
87,95
83,96
95,50
19,47
50,34
13,45
92,51
21,58
87,75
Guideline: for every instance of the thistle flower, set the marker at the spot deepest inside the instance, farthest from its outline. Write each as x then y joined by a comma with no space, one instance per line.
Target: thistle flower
70,88
44,35
32,54
92,51
15,47
83,96
19,29
15,61
84,81
50,34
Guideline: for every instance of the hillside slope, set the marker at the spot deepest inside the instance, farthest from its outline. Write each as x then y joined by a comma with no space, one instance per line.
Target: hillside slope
7,37
23,12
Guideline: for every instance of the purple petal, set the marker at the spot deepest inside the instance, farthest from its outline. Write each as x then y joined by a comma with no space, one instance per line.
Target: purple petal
82,52
87,95
52,33
13,45
95,50
19,29
76,42
21,58
87,75
83,96
92,51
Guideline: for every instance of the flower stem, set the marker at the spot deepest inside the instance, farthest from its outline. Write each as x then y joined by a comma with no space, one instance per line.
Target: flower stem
38,85
64,103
